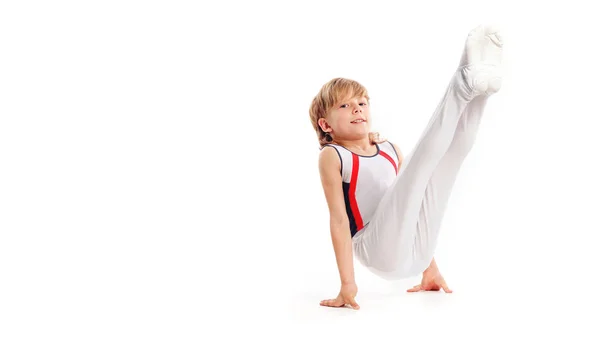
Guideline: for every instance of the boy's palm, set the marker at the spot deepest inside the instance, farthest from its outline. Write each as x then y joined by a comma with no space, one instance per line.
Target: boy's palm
345,297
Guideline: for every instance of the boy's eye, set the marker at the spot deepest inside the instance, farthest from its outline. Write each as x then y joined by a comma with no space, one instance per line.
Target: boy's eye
346,105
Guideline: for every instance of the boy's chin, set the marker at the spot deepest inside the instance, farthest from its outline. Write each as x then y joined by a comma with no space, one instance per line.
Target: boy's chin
359,136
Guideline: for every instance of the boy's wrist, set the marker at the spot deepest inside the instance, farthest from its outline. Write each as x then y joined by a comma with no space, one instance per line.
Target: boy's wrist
348,282
432,268
432,264
348,285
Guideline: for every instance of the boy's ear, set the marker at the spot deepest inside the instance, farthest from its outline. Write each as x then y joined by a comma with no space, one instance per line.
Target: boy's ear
324,125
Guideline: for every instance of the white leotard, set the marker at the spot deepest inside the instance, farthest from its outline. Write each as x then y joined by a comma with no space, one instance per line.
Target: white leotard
365,179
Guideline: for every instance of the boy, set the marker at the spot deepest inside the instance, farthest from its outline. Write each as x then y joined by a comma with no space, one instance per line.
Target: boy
386,209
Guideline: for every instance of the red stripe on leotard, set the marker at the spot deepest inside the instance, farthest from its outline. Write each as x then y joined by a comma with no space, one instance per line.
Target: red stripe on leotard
387,156
352,193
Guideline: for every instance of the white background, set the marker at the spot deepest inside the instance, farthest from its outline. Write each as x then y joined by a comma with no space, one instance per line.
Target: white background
158,169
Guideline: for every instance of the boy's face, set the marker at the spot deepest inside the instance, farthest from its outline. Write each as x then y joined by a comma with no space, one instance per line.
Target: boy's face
344,120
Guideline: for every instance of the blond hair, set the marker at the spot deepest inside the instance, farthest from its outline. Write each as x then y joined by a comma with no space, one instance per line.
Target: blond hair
331,94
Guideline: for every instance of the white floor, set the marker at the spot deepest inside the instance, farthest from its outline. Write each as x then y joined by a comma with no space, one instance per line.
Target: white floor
158,169
495,300
505,282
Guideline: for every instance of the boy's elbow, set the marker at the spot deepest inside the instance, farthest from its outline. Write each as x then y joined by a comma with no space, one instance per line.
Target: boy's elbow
338,223
340,226
339,220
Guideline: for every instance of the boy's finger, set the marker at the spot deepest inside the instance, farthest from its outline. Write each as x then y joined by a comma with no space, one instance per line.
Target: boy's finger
446,289
415,288
327,303
333,303
354,304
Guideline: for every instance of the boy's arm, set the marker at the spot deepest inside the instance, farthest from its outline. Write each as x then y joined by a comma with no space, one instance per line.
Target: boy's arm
329,169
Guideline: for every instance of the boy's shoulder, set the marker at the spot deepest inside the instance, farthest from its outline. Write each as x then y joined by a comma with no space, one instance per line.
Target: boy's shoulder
329,159
396,149
328,151
333,150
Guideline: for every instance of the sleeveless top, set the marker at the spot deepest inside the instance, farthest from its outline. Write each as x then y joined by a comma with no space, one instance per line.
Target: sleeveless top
365,179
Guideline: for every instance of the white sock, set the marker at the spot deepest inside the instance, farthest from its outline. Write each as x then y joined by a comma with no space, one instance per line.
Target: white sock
482,58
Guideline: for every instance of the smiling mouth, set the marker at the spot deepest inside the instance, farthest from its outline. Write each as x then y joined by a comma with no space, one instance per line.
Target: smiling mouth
358,121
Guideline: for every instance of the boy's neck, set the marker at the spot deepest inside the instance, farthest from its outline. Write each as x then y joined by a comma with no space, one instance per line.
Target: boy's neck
362,146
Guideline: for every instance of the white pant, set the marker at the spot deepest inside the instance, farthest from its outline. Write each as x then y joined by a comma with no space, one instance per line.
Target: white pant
400,240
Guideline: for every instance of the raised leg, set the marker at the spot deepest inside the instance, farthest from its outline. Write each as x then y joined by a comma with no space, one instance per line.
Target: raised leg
439,189
387,243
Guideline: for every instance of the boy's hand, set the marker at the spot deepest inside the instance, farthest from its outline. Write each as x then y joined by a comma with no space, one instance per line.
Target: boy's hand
346,296
432,281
